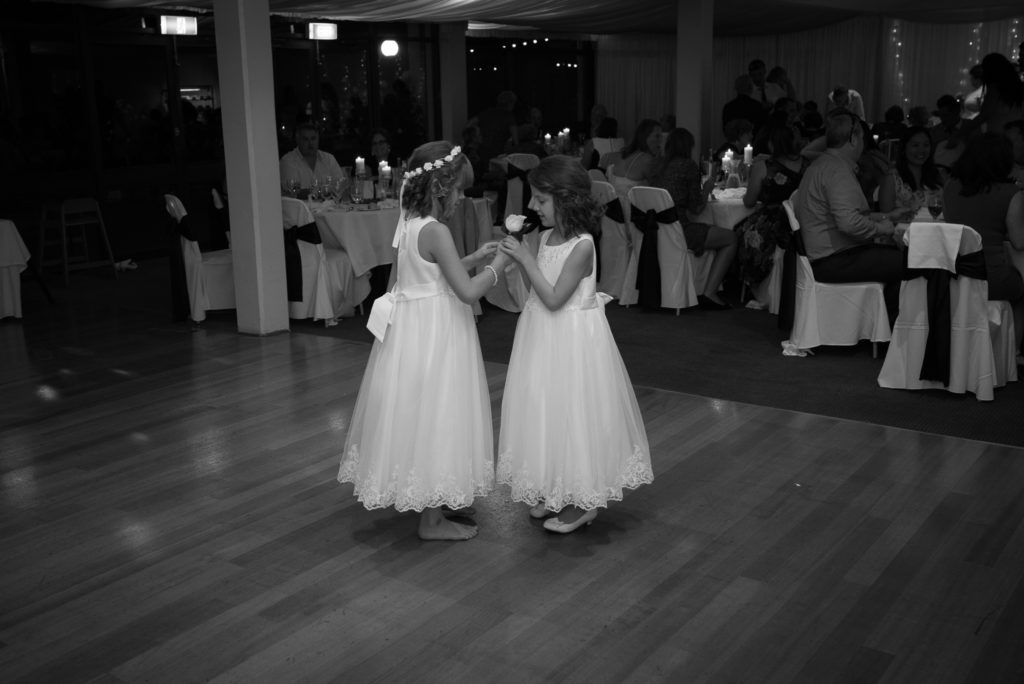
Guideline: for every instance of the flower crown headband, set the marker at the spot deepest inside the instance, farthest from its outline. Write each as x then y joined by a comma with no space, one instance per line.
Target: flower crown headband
436,164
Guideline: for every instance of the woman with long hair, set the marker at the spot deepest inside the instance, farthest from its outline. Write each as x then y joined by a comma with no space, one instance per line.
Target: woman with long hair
678,173
914,174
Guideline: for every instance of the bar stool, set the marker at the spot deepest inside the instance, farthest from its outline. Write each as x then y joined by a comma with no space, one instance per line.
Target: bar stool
77,216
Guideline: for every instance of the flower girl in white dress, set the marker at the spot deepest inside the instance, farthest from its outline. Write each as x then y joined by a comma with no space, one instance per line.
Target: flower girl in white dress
572,437
421,436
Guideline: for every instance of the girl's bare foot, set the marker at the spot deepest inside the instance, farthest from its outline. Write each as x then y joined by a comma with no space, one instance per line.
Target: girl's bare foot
434,526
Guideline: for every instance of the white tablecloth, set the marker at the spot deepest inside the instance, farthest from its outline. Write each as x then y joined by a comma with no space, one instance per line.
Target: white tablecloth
365,235
726,210
14,256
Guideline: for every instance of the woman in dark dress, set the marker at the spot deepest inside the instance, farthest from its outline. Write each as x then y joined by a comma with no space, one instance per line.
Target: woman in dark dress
678,173
771,181
981,194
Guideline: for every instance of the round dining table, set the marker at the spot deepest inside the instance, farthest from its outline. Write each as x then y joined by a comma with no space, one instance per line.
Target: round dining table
366,232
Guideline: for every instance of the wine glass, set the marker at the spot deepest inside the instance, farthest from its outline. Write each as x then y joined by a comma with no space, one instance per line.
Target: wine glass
935,204
293,187
326,187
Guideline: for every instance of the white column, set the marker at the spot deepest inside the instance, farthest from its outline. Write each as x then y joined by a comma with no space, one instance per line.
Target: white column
454,103
246,71
694,34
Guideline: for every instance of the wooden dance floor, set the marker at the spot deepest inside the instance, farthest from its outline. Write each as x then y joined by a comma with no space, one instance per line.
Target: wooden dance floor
170,514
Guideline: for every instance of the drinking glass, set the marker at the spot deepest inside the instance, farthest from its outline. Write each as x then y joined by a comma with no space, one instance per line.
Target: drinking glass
935,204
326,188
357,191
293,187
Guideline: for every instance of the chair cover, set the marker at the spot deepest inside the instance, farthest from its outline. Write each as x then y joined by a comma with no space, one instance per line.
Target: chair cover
833,314
1001,324
615,243
936,248
598,175
329,288
517,197
652,213
209,277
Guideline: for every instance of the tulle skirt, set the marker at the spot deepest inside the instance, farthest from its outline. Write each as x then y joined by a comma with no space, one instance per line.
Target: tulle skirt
571,429
421,434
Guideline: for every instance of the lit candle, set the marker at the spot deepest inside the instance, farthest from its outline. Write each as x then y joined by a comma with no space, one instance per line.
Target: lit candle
748,154
547,137
360,165
385,170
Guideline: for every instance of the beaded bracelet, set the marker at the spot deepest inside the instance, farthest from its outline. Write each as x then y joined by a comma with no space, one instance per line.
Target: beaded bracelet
494,273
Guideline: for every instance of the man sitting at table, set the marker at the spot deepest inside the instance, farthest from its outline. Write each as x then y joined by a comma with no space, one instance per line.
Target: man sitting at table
841,238
306,163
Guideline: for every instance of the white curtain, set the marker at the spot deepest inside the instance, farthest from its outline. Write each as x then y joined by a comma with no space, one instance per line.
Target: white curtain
636,77
636,74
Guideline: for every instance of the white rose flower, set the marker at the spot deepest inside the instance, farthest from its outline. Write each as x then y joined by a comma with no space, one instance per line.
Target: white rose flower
514,223
429,166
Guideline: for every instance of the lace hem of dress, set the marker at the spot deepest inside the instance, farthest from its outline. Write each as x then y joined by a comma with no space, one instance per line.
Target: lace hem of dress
556,496
406,491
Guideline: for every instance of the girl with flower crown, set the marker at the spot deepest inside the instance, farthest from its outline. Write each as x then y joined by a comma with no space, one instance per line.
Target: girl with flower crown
421,436
572,437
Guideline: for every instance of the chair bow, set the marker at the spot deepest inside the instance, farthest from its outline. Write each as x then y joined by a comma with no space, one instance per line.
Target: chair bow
293,258
512,171
935,365
648,274
613,210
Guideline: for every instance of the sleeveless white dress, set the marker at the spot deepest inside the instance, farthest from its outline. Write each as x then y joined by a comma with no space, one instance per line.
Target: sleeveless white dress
421,434
571,429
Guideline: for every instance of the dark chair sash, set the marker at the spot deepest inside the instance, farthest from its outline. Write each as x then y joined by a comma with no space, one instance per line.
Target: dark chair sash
514,171
293,259
787,296
935,366
648,275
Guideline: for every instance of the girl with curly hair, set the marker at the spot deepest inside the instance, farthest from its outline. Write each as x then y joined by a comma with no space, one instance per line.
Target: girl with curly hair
421,436
572,437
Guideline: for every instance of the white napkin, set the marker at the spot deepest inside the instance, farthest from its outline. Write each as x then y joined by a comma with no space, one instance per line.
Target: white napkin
933,245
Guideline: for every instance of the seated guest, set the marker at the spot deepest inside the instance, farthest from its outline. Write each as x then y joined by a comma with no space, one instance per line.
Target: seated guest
906,185
919,116
1015,132
841,238
307,163
981,195
738,134
872,166
893,126
810,122
771,181
635,163
947,144
380,150
608,127
744,106
678,173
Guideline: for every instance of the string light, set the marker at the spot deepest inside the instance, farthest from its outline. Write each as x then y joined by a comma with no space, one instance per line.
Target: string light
896,41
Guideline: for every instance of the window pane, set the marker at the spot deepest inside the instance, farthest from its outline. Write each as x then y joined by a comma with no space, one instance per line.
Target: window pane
200,103
131,92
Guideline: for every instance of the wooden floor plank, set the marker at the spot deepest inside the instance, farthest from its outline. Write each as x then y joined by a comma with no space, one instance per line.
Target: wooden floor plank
170,514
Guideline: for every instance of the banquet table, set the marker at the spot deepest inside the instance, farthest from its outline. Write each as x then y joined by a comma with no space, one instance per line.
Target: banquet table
366,235
726,210
14,256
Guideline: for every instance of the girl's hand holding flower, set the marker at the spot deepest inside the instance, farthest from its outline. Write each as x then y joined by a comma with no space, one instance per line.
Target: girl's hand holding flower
514,248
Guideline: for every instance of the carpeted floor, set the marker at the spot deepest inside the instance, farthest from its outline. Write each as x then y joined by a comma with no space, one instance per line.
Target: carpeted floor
736,355
733,355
